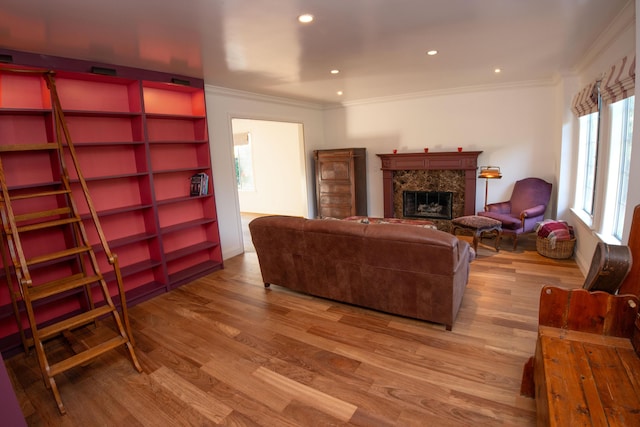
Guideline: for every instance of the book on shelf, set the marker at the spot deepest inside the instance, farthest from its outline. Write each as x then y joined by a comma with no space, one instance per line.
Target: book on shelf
199,184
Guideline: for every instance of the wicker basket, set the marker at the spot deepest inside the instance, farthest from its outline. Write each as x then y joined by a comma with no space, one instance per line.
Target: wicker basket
563,249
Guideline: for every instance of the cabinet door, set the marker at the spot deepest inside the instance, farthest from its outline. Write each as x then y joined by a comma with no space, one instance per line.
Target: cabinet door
335,184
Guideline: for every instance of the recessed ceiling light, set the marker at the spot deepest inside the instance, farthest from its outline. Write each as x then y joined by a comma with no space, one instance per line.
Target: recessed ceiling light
339,93
334,71
432,52
497,70
305,18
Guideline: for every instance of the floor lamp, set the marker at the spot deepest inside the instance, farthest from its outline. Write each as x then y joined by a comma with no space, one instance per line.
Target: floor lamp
488,172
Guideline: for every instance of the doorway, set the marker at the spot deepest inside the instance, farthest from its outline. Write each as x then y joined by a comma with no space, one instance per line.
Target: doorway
270,166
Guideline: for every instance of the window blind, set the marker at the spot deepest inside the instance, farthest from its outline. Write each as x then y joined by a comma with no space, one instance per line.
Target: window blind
586,101
619,81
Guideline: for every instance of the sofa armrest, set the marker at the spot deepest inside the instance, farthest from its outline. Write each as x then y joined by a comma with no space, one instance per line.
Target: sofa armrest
532,212
500,207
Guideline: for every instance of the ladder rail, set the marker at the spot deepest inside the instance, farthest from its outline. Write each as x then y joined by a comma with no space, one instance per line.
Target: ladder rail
12,293
17,254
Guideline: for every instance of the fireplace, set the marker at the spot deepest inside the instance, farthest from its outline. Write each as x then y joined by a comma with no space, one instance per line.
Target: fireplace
451,172
427,204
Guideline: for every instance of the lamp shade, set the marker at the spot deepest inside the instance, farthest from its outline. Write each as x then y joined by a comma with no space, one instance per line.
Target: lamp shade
490,172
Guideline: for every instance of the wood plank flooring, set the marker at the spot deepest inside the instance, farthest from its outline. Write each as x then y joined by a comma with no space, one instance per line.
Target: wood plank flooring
224,350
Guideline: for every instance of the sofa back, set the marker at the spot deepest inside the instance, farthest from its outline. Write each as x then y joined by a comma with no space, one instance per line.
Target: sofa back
402,269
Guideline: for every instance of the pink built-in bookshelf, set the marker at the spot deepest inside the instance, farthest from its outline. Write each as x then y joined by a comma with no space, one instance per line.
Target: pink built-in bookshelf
139,138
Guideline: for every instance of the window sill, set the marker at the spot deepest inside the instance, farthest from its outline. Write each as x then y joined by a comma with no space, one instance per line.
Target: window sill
586,219
610,240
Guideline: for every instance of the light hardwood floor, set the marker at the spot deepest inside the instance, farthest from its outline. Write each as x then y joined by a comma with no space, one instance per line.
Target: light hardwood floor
224,350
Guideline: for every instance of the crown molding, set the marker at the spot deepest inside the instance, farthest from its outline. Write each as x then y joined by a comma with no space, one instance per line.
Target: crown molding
449,91
252,96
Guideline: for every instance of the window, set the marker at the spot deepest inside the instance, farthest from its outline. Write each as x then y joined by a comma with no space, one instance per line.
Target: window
244,161
605,108
587,162
621,124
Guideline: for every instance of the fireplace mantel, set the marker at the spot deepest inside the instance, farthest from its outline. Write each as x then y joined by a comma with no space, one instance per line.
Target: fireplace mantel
465,160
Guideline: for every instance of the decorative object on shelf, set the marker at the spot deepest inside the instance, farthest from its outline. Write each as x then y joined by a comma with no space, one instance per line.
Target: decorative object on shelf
459,149
395,151
426,150
199,184
487,172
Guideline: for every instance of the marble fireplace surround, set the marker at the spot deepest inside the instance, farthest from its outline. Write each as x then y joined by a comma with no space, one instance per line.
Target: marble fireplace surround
445,171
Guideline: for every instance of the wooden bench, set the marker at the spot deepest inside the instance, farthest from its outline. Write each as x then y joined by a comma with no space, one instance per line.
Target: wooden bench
586,369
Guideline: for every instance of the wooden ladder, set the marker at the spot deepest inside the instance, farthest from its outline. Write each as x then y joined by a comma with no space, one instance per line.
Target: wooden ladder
23,214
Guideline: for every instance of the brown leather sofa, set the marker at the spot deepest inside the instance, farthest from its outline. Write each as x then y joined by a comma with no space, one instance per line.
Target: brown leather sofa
400,269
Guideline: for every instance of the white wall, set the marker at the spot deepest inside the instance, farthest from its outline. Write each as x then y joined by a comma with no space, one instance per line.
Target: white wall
278,158
222,105
513,127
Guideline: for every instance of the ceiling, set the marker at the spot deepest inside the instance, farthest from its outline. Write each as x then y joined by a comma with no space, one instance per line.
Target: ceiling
378,45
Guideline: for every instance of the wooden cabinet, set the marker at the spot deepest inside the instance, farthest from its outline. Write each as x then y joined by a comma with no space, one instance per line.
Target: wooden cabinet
139,139
341,182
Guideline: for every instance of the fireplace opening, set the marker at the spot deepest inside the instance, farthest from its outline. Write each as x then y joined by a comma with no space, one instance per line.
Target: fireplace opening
427,204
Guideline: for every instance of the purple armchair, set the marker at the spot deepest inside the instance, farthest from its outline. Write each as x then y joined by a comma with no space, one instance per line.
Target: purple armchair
519,215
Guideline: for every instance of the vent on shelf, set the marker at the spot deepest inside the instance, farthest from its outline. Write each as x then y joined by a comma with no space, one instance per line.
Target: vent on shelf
103,71
182,82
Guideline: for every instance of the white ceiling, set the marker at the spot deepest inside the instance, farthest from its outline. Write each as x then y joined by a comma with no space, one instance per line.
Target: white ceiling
378,45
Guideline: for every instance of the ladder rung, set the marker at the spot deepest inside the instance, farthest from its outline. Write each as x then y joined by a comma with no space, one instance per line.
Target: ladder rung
48,224
85,356
57,255
42,214
29,147
61,285
74,322
40,194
